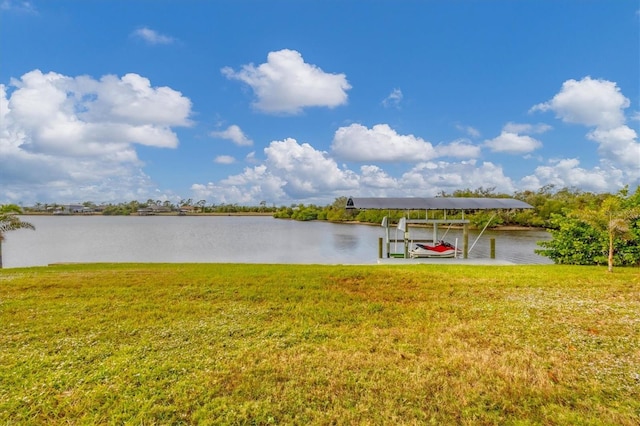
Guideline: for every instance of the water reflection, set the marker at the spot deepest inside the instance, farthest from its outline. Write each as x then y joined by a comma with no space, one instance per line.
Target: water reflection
345,242
236,239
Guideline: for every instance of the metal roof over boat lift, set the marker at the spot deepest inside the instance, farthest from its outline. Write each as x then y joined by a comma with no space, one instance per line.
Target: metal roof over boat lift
436,203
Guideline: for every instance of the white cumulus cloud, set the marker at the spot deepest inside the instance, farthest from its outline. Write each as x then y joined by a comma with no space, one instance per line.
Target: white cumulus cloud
458,149
287,84
591,102
300,173
290,171
373,177
393,100
429,178
620,146
513,143
224,159
250,187
600,104
469,130
152,37
235,134
61,133
307,170
568,173
526,128
380,143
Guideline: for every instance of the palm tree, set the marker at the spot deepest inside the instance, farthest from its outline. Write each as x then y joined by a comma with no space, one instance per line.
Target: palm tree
9,221
613,218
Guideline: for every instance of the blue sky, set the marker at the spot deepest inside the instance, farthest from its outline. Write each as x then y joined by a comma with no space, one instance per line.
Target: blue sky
304,101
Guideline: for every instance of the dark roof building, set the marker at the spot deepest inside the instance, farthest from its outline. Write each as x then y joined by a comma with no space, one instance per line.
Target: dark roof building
436,203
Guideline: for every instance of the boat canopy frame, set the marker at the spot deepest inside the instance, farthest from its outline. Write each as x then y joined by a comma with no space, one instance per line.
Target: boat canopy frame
435,203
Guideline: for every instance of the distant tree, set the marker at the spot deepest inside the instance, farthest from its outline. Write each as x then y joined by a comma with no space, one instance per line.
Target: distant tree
283,213
9,221
307,213
338,212
486,218
480,192
573,242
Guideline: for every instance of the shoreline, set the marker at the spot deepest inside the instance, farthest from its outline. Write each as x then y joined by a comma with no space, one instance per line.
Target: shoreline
157,214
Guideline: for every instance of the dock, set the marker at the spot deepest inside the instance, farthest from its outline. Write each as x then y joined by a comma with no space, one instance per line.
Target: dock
443,261
444,204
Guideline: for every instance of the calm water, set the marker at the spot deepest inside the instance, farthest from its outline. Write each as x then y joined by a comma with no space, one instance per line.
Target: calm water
222,239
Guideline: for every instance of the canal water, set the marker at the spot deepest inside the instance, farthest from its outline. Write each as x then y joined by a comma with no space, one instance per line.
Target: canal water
228,239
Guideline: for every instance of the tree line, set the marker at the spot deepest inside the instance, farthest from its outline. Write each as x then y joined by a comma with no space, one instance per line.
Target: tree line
133,207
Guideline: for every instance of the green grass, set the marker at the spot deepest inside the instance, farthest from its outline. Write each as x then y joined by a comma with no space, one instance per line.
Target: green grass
317,344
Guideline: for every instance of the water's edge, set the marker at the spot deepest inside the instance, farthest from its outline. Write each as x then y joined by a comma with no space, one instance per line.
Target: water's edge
229,239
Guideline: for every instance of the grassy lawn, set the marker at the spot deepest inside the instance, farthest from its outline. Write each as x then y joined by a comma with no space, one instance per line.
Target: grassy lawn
318,344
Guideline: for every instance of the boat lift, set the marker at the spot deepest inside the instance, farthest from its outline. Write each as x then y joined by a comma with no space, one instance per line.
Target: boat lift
437,203
403,226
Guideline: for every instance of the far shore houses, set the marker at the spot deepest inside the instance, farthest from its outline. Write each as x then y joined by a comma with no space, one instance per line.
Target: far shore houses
74,209
153,209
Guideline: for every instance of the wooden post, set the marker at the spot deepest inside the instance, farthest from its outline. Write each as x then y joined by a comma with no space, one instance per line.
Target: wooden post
380,248
465,241
493,248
